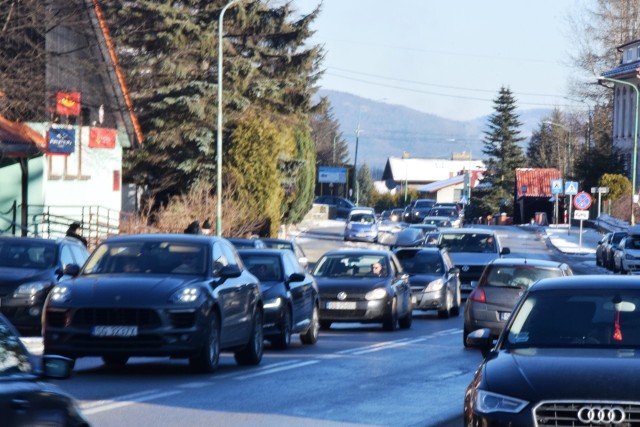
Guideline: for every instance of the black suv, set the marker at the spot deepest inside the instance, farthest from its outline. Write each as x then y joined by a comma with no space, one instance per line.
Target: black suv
343,206
29,268
419,210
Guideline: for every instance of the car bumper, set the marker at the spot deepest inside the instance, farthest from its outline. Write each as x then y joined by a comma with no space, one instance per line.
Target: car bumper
361,237
364,311
632,266
23,313
434,300
272,321
176,334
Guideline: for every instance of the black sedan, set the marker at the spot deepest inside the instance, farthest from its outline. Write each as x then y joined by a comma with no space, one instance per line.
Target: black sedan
568,356
290,295
367,286
171,295
435,281
29,268
25,400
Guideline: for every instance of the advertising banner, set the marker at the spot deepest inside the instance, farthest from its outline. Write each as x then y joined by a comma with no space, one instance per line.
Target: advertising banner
68,103
61,141
102,138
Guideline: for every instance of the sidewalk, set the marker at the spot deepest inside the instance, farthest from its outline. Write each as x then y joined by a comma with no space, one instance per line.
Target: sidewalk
568,240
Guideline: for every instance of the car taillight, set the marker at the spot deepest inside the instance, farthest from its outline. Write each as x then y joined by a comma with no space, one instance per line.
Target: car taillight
478,296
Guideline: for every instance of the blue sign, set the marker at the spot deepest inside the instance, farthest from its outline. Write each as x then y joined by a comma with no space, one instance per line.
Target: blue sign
571,188
556,186
333,175
61,141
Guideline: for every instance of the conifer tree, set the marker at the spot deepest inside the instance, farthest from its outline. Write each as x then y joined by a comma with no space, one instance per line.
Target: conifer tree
365,185
502,156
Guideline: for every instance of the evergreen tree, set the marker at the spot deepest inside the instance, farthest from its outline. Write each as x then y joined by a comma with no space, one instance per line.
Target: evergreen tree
365,186
544,149
169,49
502,156
331,148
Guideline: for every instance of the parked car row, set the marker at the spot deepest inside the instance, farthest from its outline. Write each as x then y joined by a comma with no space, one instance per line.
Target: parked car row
619,251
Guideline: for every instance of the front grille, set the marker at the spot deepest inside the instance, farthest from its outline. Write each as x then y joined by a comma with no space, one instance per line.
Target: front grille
345,314
473,273
90,342
56,319
116,317
565,414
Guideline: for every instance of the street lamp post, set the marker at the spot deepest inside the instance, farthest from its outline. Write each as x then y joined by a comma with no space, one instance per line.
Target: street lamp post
219,134
635,140
564,176
355,164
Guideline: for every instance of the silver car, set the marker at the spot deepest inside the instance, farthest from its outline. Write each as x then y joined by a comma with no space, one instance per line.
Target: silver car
501,285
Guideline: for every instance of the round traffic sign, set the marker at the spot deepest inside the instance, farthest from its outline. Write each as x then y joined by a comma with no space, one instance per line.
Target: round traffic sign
582,200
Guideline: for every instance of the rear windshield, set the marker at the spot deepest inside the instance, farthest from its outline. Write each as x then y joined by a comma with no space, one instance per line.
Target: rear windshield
468,242
23,253
518,276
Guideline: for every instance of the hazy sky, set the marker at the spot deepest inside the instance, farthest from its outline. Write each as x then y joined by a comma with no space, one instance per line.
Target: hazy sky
446,57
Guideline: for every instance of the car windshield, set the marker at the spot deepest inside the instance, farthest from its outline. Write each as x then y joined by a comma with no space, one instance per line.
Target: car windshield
362,218
443,212
158,257
278,244
266,268
23,253
468,242
351,265
418,262
518,275
632,242
422,204
605,318
617,237
14,359
438,222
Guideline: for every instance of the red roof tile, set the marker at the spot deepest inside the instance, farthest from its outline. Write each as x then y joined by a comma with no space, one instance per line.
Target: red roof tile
532,182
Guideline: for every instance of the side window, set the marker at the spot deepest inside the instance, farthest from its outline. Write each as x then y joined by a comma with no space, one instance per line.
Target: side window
80,254
394,267
219,259
291,264
66,257
230,254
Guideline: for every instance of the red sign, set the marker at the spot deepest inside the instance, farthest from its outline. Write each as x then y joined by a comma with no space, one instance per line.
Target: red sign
68,103
582,200
102,138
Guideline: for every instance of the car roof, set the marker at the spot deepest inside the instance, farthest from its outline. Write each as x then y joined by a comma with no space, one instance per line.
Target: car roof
175,237
433,249
357,251
468,231
587,282
261,251
43,240
535,262
274,240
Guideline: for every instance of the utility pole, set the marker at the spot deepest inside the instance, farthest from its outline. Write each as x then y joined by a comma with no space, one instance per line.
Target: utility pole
356,188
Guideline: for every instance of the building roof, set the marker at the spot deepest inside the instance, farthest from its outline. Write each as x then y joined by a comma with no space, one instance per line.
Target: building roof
19,140
420,170
532,182
439,185
623,69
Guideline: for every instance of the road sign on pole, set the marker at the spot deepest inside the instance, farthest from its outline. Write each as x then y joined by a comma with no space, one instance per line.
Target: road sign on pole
582,200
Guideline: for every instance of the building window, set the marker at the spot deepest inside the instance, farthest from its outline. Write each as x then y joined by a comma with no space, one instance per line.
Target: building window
638,52
628,55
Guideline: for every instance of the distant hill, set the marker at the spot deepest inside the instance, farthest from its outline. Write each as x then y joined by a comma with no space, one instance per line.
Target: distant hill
389,130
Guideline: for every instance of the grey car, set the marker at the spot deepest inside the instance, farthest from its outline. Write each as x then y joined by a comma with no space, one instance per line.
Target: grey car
501,285
434,280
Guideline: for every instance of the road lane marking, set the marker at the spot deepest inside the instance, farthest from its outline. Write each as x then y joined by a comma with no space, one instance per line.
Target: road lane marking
116,403
273,371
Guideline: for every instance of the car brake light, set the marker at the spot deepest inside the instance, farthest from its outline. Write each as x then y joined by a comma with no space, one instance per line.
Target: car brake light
478,296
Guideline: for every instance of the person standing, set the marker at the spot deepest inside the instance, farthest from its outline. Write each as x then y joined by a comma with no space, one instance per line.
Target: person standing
72,231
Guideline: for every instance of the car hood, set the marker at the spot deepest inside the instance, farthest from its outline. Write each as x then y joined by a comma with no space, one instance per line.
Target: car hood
127,290
423,279
532,374
271,289
472,258
14,276
335,285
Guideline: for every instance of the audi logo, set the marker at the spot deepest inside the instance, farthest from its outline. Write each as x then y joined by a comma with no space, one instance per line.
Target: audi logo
605,415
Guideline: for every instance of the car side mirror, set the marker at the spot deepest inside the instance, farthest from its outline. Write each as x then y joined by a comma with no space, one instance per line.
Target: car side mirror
480,339
505,251
296,277
56,367
455,271
229,271
71,270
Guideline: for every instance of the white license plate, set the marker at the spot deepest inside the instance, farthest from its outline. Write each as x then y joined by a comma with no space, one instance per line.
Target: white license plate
114,331
504,315
341,305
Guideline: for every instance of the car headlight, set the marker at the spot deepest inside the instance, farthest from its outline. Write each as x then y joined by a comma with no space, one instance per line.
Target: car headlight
487,402
30,289
348,226
186,295
628,256
274,303
60,294
379,293
436,285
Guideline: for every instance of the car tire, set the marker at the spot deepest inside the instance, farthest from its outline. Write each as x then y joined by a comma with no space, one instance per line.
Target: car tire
115,361
406,321
251,354
310,337
446,312
283,339
325,324
455,310
207,358
465,333
390,323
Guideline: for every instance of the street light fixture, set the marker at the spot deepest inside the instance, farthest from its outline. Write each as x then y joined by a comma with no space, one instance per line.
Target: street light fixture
219,135
635,140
